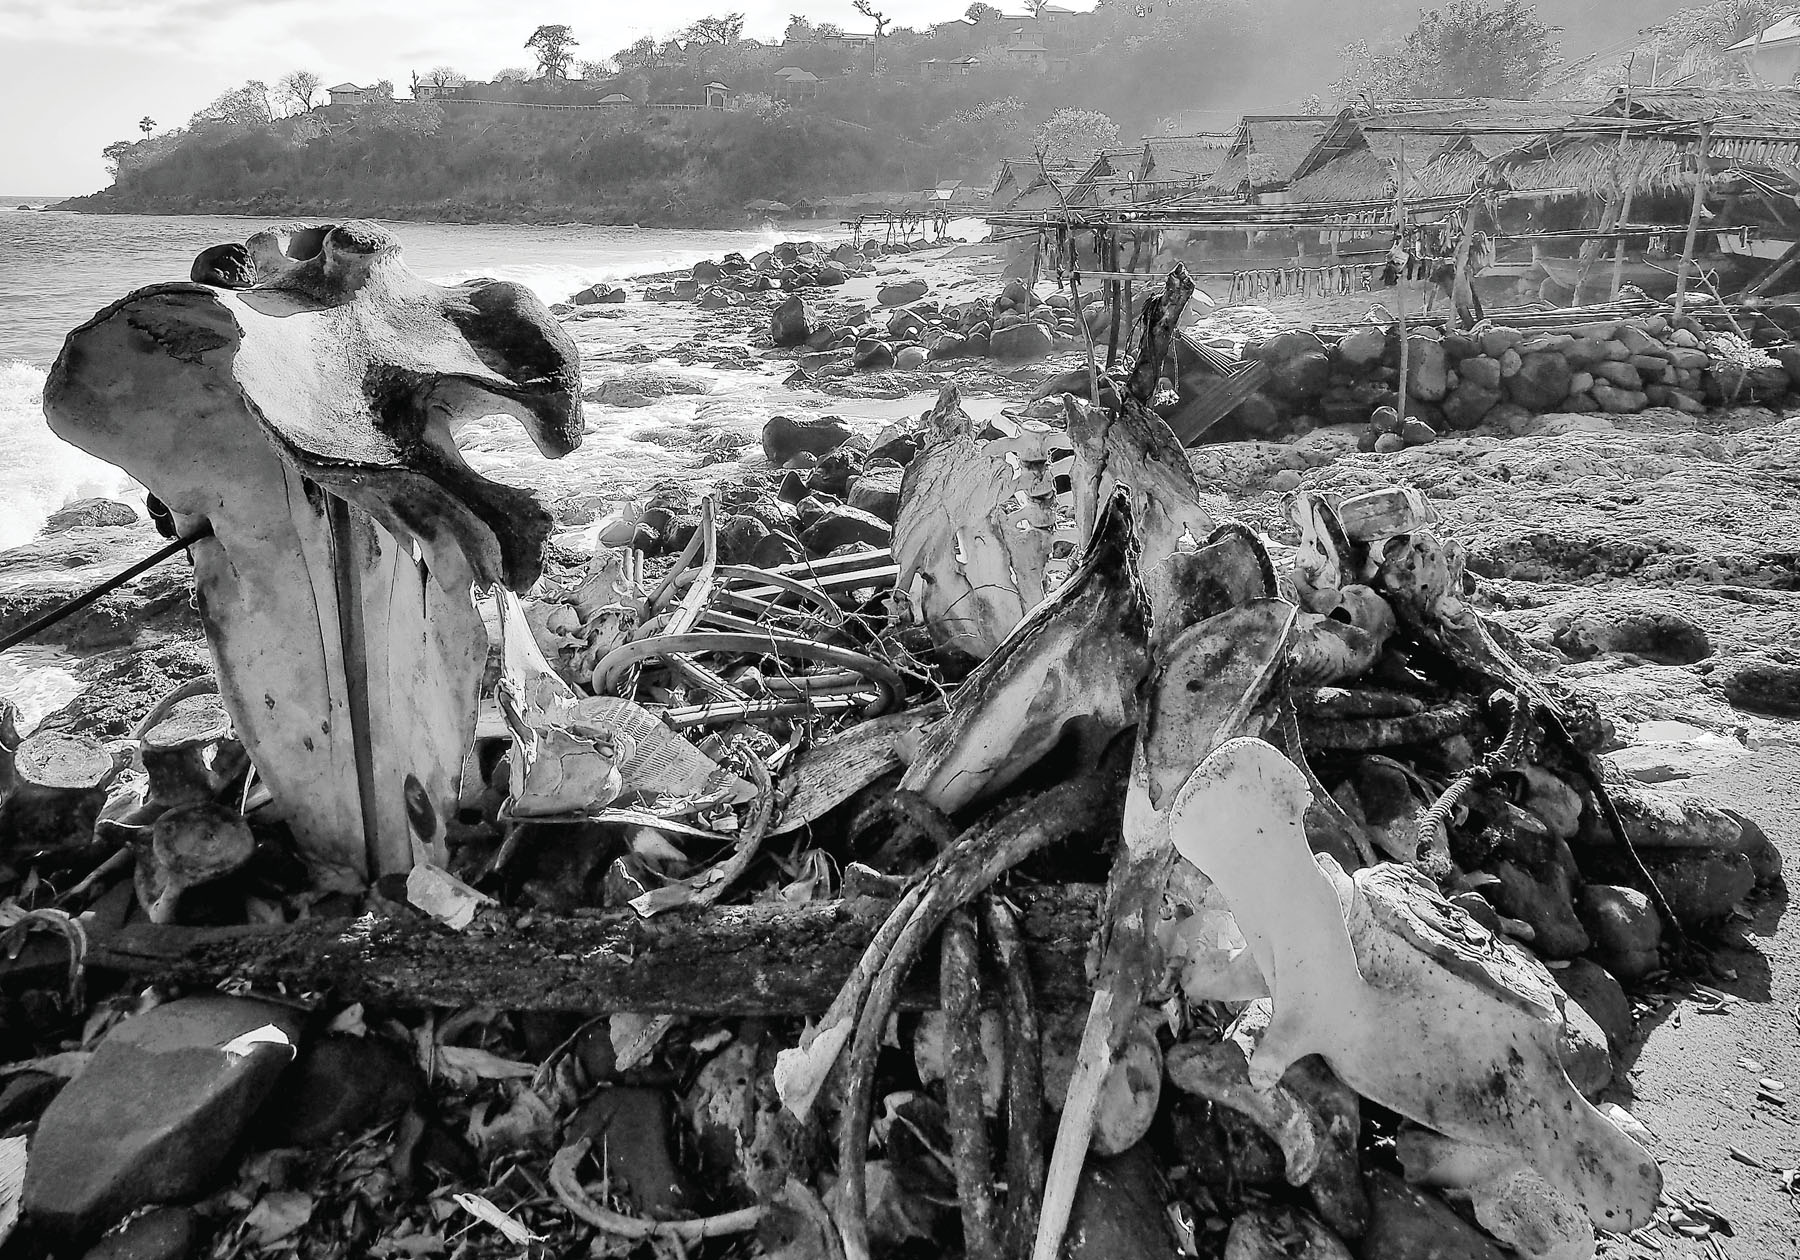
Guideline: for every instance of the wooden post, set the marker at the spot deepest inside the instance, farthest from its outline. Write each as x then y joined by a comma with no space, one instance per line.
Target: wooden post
1701,180
1400,284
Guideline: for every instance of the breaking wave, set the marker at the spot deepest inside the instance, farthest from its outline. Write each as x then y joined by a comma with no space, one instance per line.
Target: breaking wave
39,472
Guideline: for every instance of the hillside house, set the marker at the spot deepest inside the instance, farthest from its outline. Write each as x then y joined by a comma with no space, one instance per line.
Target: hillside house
1022,48
350,94
947,69
716,95
795,85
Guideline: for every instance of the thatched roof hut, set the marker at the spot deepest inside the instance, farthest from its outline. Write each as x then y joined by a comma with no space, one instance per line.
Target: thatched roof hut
1183,159
1756,133
1267,152
1359,157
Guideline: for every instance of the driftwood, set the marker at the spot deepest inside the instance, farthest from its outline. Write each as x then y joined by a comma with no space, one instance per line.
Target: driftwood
760,959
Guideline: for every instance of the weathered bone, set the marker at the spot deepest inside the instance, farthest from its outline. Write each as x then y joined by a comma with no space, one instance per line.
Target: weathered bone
189,845
973,534
1074,663
1414,1005
308,373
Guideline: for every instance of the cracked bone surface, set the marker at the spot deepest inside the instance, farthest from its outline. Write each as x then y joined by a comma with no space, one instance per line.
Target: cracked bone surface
301,401
1412,1003
973,531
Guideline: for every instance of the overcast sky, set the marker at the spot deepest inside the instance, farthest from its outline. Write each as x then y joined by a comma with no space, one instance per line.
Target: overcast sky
76,75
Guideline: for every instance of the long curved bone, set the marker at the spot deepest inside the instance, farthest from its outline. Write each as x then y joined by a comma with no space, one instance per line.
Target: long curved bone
1413,1004
310,372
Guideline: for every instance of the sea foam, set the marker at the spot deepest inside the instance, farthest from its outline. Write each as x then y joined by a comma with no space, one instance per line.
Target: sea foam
39,472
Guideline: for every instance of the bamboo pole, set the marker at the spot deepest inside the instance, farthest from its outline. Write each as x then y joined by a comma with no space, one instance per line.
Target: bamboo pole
1400,283
1701,180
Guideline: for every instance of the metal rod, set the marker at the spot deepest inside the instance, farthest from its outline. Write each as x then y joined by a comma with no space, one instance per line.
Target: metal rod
111,584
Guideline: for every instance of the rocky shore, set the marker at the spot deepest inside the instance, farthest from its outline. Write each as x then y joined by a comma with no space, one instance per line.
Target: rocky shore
1628,510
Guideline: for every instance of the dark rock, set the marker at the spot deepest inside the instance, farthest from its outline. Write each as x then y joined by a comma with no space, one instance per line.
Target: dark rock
1460,346
686,290
1300,377
600,294
792,488
873,354
1762,684
1257,415
1481,371
340,1085
1626,928
631,1124
793,322
901,292
1543,897
1362,347
949,346
1410,1224
1028,340
1619,402
156,1114
1281,1231
26,1095
1590,986
1542,381
830,275
903,325
842,526
1427,368
835,471
1701,887
718,300
900,449
165,1233
1219,1146
1469,403
977,344
1415,432
1497,341
90,512
877,492
1385,420
1119,1211
1388,443
783,437
707,272
739,538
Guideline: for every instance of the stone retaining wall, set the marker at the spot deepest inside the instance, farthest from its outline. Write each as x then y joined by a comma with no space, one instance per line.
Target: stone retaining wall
1498,376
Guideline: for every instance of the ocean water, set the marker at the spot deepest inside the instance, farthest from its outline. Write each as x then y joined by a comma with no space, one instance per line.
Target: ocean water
58,269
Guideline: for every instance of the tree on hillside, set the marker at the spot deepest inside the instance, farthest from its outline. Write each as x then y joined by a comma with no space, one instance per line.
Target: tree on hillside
723,28
979,12
246,106
1688,45
146,124
512,74
882,21
1074,133
445,77
1036,7
596,69
1466,48
552,45
299,86
799,30
642,55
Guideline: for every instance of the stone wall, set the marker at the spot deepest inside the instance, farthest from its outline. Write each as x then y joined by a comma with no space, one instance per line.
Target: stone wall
1500,377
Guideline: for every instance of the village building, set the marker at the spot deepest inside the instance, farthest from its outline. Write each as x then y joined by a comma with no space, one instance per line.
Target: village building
1771,57
350,94
795,85
946,69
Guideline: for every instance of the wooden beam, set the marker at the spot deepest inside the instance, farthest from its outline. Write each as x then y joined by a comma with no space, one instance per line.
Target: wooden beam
1701,179
762,959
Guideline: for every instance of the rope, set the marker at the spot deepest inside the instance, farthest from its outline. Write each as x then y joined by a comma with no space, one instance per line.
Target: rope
1486,771
107,587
